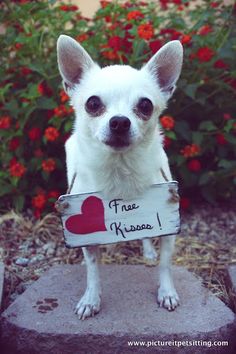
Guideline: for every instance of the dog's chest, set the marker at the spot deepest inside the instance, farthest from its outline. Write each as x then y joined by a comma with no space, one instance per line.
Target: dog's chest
124,178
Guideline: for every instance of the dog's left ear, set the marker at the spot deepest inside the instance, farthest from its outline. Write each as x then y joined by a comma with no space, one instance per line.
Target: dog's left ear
166,66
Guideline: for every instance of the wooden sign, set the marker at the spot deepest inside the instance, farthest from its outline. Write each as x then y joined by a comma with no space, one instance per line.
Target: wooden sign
91,219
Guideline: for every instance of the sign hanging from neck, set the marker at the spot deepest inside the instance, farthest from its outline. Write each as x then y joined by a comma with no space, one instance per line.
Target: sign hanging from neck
92,219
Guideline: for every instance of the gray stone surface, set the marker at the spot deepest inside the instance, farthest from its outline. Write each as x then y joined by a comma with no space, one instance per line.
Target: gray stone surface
41,320
232,277
1,281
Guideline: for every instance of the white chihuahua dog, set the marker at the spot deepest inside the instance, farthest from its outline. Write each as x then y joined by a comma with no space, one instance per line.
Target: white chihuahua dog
116,145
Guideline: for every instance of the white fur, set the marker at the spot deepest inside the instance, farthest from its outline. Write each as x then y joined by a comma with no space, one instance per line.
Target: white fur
124,172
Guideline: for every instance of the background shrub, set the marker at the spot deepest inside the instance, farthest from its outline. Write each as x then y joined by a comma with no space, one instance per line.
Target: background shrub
36,119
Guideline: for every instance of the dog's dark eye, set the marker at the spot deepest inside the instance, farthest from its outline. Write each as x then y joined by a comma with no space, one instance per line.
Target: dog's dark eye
94,106
144,108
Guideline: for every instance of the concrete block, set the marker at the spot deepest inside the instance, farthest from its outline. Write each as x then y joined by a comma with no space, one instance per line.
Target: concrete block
1,281
232,277
41,320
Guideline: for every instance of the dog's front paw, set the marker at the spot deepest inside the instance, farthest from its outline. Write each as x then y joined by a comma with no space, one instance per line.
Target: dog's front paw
150,255
168,298
88,305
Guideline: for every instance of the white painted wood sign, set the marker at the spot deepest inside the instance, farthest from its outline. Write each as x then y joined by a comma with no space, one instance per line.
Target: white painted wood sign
91,219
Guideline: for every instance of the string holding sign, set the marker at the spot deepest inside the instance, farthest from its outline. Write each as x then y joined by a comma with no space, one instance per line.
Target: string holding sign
90,218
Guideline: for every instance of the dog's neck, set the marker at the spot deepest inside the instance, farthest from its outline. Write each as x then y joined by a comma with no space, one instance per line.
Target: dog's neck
123,174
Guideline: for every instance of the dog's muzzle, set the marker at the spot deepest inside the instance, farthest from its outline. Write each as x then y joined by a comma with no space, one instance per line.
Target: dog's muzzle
119,132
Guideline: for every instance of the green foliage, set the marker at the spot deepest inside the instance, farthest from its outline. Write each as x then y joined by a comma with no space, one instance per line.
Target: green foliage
36,119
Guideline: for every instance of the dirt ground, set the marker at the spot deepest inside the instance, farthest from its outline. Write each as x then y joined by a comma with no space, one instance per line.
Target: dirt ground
206,246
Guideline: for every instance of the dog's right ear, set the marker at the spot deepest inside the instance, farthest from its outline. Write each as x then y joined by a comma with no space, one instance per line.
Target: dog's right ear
73,61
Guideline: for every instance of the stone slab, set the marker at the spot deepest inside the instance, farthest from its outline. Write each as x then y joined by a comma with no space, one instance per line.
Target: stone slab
129,313
1,281
232,277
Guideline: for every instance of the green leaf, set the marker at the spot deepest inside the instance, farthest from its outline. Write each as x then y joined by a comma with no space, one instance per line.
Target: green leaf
208,125
197,138
19,202
68,126
191,90
12,107
204,179
32,92
179,160
208,194
227,164
15,181
37,67
5,188
46,103
171,134
231,139
229,125
183,130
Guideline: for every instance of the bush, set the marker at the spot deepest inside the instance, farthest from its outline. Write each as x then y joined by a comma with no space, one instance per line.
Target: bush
36,119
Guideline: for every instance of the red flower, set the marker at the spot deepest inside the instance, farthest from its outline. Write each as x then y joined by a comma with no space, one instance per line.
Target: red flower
109,54
185,39
104,4
82,37
14,143
38,153
205,54
64,97
39,201
204,30
37,213
5,122
220,138
194,165
167,122
220,64
25,71
172,32
16,169
18,46
190,150
232,82
164,4
184,203
34,133
44,89
146,31
155,46
24,100
134,15
50,113
68,8
115,43
54,194
49,165
62,111
51,134
214,4
167,142
227,116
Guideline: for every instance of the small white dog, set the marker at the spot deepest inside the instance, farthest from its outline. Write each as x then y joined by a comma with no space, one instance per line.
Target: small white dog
116,145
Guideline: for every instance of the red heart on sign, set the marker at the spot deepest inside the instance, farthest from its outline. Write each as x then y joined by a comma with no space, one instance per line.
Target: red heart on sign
90,220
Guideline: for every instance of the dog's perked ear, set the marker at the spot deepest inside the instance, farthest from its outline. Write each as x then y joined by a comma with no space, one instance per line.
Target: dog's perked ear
166,66
73,61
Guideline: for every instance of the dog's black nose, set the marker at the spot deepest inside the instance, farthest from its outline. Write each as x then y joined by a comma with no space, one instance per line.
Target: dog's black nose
119,124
